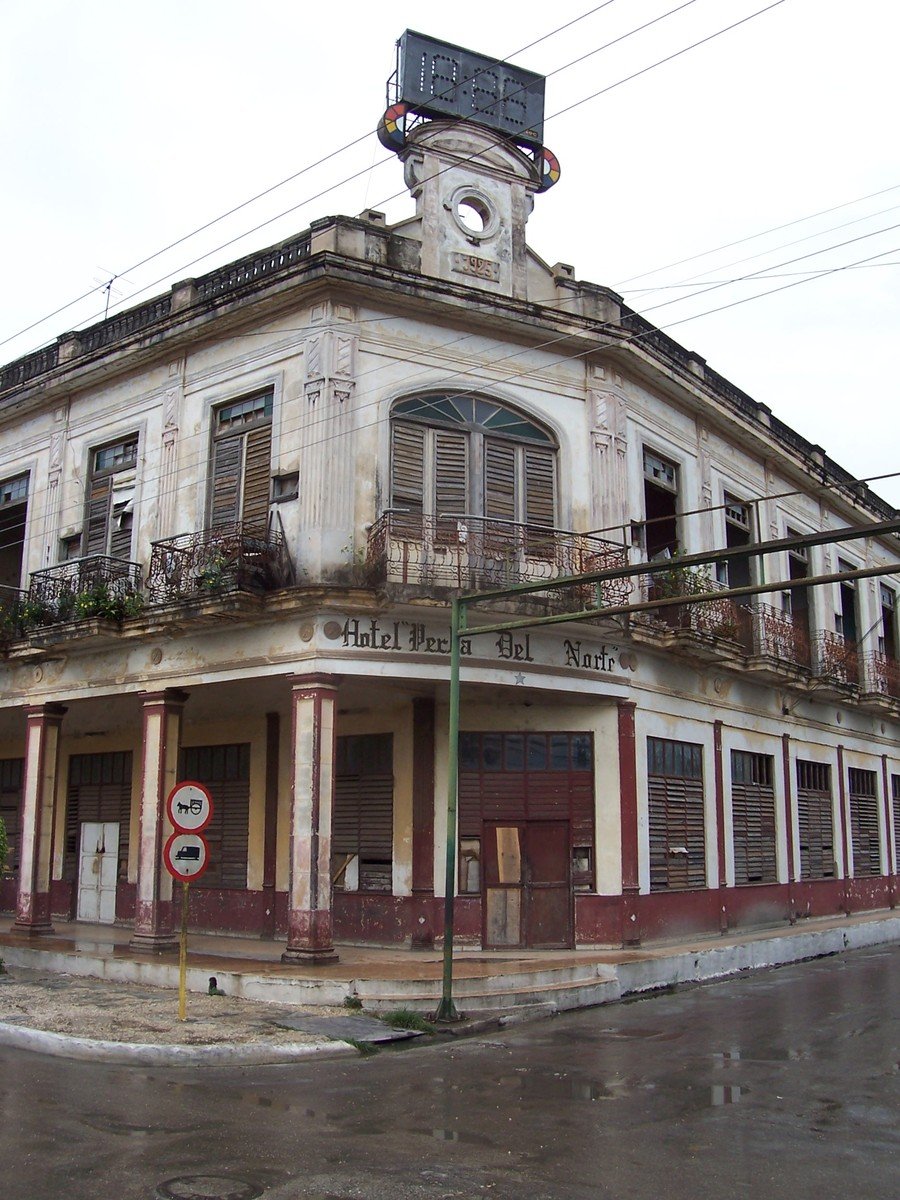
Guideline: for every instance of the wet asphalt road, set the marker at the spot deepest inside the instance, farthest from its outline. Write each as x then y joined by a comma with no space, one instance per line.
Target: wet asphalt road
780,1084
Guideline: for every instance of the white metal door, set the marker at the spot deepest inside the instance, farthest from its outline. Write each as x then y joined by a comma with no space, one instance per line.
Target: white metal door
98,868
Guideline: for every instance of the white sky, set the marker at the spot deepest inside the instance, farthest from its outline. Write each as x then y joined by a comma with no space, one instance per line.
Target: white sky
125,126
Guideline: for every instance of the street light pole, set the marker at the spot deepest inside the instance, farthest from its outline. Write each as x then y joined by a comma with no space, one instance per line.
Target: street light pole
446,1010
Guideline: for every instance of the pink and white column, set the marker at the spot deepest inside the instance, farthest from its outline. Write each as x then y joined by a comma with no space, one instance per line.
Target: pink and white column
42,735
310,936
153,918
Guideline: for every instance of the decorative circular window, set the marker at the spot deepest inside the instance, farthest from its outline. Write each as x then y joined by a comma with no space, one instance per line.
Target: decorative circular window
474,213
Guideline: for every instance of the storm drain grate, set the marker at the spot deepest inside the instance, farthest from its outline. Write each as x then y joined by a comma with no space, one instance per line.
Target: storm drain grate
207,1187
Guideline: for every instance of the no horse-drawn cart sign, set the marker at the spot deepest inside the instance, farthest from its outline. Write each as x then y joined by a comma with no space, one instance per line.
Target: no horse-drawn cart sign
189,807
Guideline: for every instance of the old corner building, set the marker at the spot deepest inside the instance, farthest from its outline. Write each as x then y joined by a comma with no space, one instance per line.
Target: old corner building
233,519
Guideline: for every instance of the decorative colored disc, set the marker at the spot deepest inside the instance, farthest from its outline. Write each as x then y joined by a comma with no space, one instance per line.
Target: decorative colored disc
392,128
550,169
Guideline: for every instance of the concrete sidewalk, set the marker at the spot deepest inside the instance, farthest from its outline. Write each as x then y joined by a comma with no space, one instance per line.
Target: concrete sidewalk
532,982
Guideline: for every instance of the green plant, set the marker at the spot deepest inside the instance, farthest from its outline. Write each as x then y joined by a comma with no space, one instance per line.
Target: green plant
405,1018
213,574
366,1049
35,613
353,1003
99,601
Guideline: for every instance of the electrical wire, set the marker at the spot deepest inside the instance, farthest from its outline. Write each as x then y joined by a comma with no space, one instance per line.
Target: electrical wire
481,369
274,187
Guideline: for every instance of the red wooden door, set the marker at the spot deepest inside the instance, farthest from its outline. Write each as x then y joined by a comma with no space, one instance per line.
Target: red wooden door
527,892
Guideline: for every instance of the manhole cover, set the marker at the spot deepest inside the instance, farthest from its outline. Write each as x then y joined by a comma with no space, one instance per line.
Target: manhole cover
207,1187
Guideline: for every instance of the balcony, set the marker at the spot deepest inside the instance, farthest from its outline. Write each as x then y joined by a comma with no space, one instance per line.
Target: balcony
11,601
882,678
716,628
778,639
216,561
480,553
97,586
836,660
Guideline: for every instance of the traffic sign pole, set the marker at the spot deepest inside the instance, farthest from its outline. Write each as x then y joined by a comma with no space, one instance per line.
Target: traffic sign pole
182,953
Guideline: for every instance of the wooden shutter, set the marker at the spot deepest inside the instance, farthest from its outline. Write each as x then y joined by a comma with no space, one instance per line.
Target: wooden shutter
895,804
815,821
99,790
407,466
96,540
451,472
499,480
863,793
225,489
753,818
676,825
363,816
225,770
257,477
11,772
540,491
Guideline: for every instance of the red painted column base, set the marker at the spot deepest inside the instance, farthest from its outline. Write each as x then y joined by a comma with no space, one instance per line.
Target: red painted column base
33,915
309,938
153,930
631,920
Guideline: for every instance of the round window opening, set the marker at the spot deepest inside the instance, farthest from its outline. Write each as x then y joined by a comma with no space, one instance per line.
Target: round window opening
475,215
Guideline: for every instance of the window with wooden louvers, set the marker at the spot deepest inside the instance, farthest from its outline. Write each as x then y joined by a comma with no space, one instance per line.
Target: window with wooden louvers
110,496
241,469
225,771
895,803
815,820
11,772
753,818
675,801
99,790
363,817
863,796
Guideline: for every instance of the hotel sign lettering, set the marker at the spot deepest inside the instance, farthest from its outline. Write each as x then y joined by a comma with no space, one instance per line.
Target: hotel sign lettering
517,648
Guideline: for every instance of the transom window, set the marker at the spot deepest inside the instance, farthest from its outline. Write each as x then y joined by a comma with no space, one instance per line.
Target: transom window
462,456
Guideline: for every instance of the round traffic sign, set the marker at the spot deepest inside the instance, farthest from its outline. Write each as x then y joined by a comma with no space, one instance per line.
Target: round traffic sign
189,806
186,856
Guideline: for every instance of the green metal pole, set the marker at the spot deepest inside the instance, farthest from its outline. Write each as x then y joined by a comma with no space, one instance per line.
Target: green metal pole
446,1010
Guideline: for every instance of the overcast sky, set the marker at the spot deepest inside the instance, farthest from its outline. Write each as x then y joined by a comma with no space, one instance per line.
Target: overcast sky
127,126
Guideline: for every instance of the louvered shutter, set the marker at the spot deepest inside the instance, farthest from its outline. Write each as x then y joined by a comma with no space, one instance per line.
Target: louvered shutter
408,467
225,770
99,790
363,816
451,473
257,477
225,492
499,480
676,826
753,822
815,822
863,796
11,773
540,491
96,539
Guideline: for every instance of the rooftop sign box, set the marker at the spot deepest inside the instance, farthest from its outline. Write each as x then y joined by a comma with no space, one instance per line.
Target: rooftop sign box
439,80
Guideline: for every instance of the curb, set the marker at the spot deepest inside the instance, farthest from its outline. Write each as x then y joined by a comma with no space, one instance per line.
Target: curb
60,1045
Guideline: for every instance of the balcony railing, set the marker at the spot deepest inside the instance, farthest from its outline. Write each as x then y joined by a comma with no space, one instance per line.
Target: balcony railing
221,559
11,602
778,635
718,618
836,659
882,675
95,586
481,553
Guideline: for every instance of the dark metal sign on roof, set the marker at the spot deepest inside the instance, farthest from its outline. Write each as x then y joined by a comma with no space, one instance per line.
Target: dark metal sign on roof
438,80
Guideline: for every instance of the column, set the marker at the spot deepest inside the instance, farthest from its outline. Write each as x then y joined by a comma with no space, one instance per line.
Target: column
891,860
312,800
844,832
631,932
153,918
720,825
789,826
423,823
42,734
270,834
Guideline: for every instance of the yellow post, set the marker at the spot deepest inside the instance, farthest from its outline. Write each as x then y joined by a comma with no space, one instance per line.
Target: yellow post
182,954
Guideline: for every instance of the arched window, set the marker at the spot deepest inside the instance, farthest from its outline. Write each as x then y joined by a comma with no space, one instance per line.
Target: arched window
466,456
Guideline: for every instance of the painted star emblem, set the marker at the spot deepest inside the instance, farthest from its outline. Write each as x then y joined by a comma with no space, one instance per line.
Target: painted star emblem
520,678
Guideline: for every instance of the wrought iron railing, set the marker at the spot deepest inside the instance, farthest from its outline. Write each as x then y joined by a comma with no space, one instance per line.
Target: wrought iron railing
882,675
481,553
223,558
778,635
720,618
95,586
836,659
11,601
